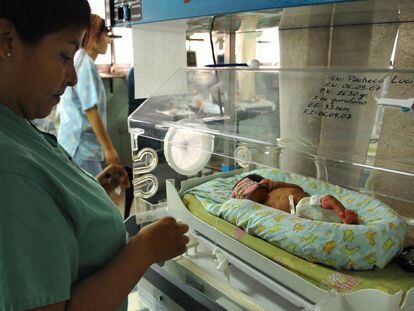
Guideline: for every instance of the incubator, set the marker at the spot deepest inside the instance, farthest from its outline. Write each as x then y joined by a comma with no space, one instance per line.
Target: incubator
335,117
324,132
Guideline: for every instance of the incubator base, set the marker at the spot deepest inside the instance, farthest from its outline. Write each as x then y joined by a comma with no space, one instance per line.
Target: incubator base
235,277
234,290
276,278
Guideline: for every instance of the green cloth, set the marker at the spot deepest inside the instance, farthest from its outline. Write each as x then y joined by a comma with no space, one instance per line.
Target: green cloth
57,224
391,279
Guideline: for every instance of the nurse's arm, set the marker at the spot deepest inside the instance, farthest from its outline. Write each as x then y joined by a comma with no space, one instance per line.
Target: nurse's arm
110,286
111,156
107,288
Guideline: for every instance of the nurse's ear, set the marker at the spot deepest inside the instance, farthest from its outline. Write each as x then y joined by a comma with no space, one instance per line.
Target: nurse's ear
7,36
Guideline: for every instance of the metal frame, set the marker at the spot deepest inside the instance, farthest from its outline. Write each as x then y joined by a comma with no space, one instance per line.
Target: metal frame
162,10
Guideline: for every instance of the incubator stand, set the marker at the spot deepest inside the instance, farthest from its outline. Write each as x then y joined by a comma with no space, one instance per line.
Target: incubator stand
341,125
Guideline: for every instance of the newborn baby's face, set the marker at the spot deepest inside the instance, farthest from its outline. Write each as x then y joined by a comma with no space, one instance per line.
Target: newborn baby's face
249,189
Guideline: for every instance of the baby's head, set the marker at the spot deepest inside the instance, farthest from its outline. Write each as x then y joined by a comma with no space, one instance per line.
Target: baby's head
249,188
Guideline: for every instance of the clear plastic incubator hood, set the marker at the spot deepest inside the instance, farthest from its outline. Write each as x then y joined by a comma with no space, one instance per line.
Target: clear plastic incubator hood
344,131
348,127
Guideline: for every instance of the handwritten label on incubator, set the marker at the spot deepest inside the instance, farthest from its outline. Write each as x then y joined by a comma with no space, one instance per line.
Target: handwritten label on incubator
340,94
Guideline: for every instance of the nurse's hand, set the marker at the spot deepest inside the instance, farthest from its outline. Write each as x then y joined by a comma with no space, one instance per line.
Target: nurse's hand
111,156
161,240
113,176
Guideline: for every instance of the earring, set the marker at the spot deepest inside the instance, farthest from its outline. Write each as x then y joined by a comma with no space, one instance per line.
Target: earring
8,54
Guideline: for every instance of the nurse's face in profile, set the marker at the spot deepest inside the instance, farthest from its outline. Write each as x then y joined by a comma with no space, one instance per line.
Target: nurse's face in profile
41,72
101,43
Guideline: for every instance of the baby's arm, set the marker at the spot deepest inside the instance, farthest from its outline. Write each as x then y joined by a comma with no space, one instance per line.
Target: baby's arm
330,202
274,184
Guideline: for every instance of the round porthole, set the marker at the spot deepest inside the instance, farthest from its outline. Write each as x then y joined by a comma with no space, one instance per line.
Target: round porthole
243,156
188,149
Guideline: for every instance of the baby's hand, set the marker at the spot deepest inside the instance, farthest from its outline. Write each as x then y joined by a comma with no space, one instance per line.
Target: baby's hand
349,217
272,184
268,184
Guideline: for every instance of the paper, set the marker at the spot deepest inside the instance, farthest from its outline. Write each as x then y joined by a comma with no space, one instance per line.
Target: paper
159,52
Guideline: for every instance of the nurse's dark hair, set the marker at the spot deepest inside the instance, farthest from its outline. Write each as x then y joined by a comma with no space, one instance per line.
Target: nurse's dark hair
34,20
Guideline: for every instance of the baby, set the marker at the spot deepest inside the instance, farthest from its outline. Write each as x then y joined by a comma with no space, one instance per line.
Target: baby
292,199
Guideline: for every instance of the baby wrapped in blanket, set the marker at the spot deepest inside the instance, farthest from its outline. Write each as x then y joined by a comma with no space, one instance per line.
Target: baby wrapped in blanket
291,198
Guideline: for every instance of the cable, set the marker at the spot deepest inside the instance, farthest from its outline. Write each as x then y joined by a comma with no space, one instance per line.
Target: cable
211,40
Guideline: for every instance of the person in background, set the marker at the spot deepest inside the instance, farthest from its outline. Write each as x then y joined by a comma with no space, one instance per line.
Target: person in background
82,109
62,240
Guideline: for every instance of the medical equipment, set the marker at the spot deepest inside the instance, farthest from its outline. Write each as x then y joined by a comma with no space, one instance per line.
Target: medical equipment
326,117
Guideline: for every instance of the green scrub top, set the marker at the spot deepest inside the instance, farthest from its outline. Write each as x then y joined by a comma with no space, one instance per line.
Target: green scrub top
57,224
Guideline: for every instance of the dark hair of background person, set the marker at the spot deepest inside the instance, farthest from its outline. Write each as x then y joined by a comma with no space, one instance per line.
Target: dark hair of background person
94,31
34,20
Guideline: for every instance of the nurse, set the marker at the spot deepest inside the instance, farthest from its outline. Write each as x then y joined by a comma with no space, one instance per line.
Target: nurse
62,240
82,109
